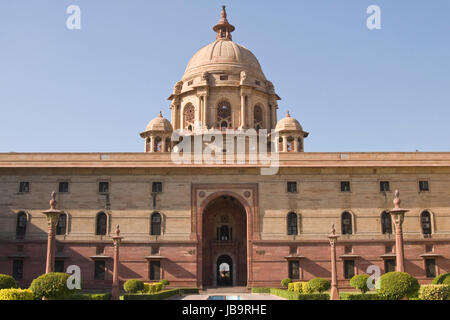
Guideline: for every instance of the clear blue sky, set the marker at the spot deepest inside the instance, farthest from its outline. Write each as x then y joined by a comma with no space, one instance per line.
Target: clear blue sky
96,88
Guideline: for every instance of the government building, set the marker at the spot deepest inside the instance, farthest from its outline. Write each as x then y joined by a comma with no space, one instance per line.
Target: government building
208,224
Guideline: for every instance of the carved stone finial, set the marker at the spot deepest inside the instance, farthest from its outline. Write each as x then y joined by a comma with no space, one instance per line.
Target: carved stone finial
333,231
117,232
288,115
160,114
53,201
397,200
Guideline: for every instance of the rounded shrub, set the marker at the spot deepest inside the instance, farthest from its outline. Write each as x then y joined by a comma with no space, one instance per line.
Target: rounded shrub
285,282
360,282
434,292
133,286
291,286
442,279
7,282
16,294
52,285
165,282
397,285
319,284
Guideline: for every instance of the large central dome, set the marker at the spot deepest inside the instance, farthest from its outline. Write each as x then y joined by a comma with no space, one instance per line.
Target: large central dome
221,55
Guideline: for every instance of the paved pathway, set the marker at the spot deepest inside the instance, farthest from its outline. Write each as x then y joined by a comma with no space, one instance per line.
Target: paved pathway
244,296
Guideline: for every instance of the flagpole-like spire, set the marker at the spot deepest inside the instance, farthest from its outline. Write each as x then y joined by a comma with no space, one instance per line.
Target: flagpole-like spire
223,28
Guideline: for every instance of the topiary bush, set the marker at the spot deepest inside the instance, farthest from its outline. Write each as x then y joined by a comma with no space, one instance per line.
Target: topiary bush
285,282
360,282
298,287
16,294
165,282
261,290
442,279
434,292
306,288
52,285
319,284
7,282
291,286
133,286
397,285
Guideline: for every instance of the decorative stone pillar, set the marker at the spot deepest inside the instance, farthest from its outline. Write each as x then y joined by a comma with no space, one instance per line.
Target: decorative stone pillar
243,124
296,147
52,220
398,215
152,143
334,289
205,111
115,287
285,149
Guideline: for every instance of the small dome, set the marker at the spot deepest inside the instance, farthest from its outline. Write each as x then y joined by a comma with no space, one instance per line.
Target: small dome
288,124
159,124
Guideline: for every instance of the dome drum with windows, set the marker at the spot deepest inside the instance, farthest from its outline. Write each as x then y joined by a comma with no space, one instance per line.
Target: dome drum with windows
223,87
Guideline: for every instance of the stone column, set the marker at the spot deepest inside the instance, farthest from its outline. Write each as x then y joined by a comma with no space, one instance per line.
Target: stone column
115,287
334,289
296,149
285,144
398,215
52,220
163,145
205,113
243,124
152,143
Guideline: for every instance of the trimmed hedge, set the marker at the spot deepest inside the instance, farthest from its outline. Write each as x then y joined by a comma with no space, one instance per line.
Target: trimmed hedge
299,296
300,287
285,282
185,291
434,292
16,294
148,296
52,285
151,288
133,286
87,296
261,290
397,285
7,282
291,286
442,279
360,282
359,296
319,284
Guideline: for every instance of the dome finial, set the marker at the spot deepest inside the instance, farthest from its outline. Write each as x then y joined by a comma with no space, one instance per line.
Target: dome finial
160,114
288,115
223,28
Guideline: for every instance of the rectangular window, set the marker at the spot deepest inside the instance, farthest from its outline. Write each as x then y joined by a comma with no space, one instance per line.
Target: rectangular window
17,269
99,270
24,187
103,187
349,269
59,266
294,267
430,266
428,248
257,83
389,265
292,186
223,77
388,248
63,187
190,82
155,268
423,186
384,186
157,187
345,186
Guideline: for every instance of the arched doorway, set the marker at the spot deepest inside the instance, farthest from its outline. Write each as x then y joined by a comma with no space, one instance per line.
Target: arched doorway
224,271
224,242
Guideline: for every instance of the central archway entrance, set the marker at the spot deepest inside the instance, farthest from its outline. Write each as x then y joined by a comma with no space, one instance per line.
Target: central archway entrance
224,243
224,271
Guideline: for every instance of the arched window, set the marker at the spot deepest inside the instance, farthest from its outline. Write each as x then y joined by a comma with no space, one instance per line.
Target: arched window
258,117
346,223
101,223
425,222
155,228
188,117
386,223
158,144
21,227
223,115
224,233
292,223
280,144
290,144
62,223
